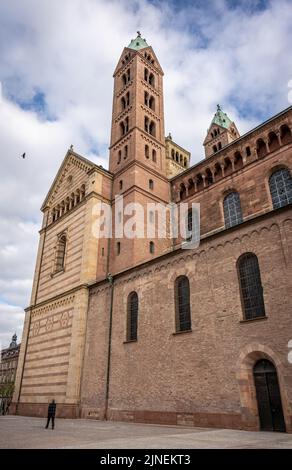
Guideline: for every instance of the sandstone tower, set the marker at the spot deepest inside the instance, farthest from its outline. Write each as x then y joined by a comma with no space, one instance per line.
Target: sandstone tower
137,150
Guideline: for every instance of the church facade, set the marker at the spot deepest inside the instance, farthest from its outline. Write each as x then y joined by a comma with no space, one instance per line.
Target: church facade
141,329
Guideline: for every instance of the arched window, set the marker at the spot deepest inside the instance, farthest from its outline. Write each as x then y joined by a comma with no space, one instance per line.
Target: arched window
172,154
146,151
122,128
248,151
146,74
154,156
121,185
151,103
128,98
151,247
189,224
82,192
261,148
126,151
119,156
251,286
60,253
132,320
151,79
146,98
192,225
286,135
214,148
232,210
124,79
182,304
281,188
152,128
123,102
219,146
126,125
151,184
118,248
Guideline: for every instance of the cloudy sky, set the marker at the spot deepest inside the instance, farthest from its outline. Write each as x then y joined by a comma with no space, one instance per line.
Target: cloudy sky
56,63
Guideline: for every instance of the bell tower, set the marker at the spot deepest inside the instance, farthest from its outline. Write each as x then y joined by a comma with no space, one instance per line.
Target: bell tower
221,132
137,149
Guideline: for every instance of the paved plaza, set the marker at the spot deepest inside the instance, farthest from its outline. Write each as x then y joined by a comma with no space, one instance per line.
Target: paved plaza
18,432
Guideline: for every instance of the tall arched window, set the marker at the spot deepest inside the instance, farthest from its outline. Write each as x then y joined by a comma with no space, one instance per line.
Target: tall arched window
251,286
192,226
146,151
182,304
232,210
281,188
132,319
60,253
151,248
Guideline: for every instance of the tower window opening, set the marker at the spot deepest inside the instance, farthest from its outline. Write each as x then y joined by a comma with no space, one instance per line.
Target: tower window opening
146,151
152,129
151,103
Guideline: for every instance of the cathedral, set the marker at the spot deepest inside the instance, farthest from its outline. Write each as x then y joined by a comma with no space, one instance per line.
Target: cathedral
138,328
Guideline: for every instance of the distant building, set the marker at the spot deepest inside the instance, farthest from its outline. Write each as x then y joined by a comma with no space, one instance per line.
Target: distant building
8,366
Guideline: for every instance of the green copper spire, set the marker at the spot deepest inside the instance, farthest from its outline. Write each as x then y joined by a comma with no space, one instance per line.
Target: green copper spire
138,43
221,118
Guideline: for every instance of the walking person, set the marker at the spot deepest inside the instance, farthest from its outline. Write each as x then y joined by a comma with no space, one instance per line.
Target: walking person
51,414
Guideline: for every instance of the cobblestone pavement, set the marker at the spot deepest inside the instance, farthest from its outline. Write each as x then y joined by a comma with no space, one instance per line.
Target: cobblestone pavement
21,432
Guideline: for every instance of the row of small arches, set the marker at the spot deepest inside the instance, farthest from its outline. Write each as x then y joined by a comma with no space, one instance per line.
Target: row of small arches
153,153
149,77
67,204
280,185
126,77
228,165
122,152
126,58
251,292
179,158
148,57
272,144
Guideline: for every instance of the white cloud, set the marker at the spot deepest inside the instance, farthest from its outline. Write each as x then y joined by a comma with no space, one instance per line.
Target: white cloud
68,50
11,321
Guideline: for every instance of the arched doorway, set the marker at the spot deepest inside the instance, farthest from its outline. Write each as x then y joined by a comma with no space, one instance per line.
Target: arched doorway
268,396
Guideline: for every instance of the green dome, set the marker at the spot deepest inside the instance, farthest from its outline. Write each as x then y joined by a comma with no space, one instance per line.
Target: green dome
138,43
221,118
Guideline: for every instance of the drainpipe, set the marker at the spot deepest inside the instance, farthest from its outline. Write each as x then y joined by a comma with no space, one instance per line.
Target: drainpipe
110,279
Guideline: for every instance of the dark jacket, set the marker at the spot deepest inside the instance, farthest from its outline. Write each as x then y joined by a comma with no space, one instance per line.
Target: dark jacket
52,409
